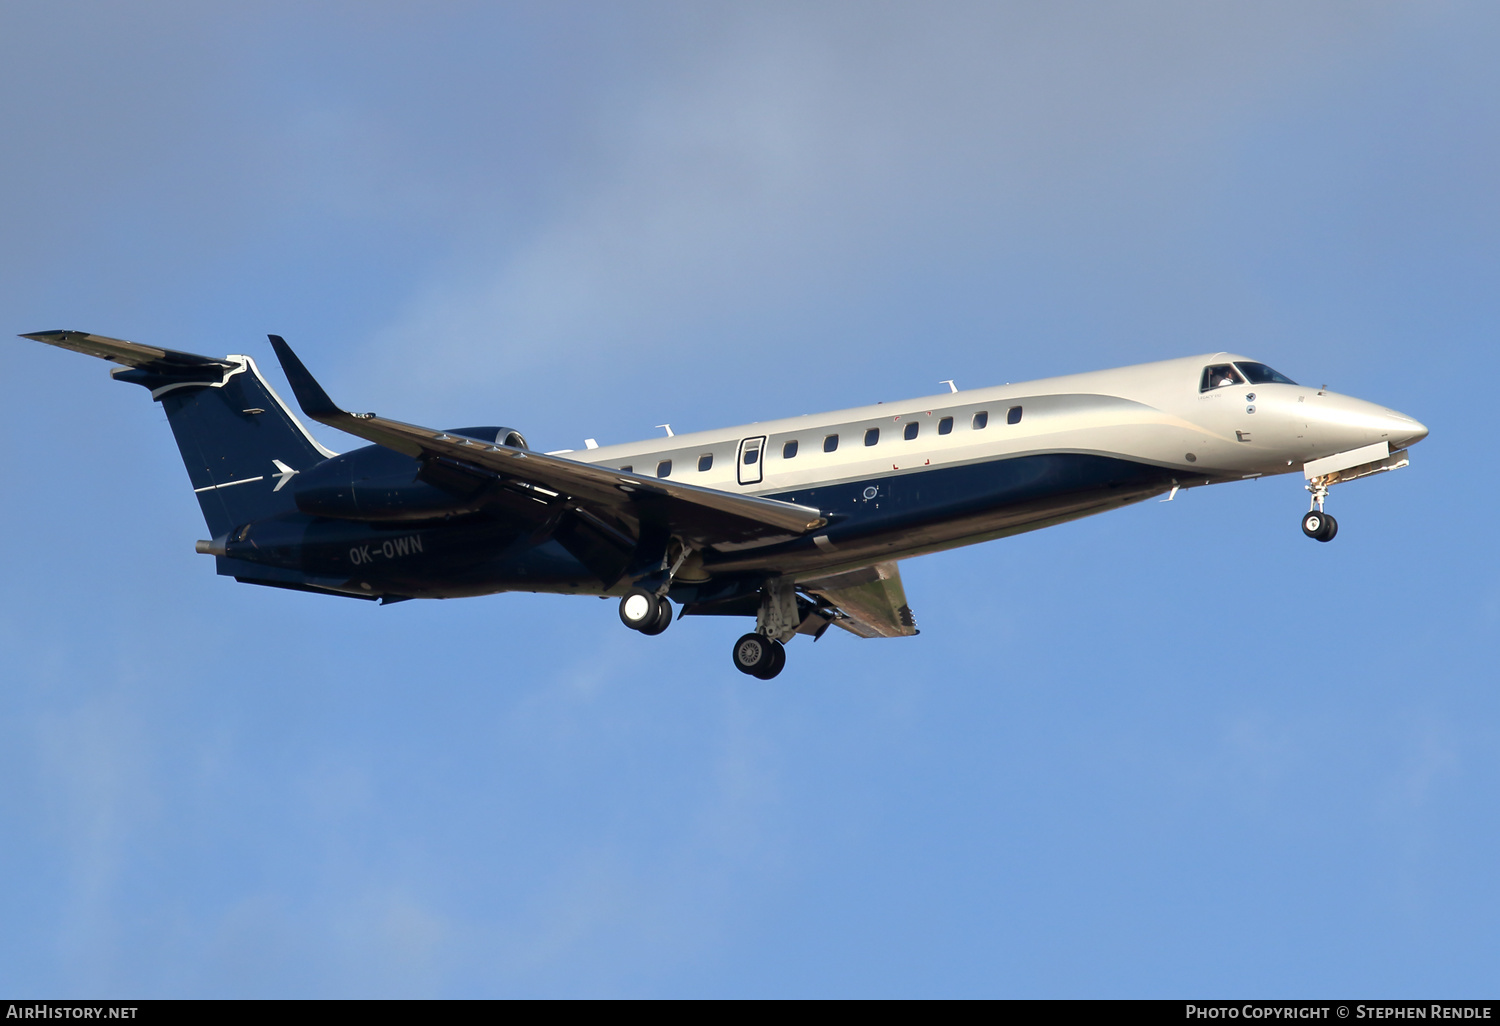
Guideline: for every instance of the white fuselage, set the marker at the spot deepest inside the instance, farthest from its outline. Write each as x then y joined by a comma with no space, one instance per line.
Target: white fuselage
1157,415
1153,413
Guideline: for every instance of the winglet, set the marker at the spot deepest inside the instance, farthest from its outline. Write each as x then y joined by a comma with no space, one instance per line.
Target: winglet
310,395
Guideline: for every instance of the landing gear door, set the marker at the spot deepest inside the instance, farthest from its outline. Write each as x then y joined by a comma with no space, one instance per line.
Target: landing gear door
752,458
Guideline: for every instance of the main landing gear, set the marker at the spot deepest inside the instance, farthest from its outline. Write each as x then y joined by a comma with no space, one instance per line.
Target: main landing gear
646,611
759,656
1315,523
763,654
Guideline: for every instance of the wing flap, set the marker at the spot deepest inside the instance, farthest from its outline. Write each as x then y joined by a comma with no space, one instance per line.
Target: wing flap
872,600
704,515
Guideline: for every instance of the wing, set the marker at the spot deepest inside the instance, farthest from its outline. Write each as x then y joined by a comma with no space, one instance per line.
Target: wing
871,599
703,516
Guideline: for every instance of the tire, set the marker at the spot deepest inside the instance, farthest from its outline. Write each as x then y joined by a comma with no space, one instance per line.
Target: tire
1330,528
663,619
639,609
1313,523
753,654
777,662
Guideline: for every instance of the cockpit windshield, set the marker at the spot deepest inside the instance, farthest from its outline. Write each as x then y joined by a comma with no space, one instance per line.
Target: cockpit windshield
1260,374
1219,375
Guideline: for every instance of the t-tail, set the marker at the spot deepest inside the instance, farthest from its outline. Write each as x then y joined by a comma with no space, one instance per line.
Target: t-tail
239,442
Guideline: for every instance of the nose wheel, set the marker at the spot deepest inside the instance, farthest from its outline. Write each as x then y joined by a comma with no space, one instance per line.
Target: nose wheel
1319,525
759,656
1315,523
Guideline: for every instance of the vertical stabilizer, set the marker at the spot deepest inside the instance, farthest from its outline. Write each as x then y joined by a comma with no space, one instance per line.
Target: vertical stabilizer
240,443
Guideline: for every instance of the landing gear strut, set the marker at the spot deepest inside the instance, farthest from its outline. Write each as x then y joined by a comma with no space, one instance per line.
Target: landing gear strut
1316,523
763,654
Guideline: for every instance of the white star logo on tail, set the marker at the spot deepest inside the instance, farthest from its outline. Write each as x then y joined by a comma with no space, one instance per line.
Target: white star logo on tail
283,477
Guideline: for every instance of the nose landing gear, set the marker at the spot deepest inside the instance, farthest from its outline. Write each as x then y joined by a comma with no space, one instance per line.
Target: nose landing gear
1315,523
1319,525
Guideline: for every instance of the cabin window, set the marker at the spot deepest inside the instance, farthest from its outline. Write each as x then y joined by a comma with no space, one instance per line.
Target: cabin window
664,468
872,436
1219,375
752,456
830,443
789,449
911,430
981,420
945,426
626,469
1013,416
705,462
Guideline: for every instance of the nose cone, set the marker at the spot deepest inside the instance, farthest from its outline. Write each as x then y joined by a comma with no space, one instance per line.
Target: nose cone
1340,422
1403,430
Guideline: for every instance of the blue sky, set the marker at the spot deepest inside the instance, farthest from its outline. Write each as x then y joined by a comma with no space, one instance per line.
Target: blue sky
1116,762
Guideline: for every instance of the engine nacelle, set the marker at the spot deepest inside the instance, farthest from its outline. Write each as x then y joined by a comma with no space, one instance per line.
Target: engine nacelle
379,484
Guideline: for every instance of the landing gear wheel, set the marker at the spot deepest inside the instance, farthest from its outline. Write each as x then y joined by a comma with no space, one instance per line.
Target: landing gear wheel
640,609
755,654
1319,525
777,664
663,618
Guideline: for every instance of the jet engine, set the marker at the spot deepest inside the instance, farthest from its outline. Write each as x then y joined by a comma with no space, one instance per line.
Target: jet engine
376,484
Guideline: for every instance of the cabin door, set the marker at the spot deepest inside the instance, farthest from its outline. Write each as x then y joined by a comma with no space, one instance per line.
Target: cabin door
752,451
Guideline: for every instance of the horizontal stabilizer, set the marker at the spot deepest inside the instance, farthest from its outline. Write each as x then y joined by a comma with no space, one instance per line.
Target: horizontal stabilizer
129,354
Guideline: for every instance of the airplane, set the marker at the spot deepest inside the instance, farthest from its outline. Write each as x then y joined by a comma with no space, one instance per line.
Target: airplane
800,522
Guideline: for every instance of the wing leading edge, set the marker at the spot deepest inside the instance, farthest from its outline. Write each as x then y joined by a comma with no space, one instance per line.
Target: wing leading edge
704,516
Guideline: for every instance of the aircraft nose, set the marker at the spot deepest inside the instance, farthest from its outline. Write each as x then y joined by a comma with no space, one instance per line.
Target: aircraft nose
1405,431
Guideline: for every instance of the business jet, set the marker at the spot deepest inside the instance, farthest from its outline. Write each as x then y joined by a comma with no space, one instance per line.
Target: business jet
800,523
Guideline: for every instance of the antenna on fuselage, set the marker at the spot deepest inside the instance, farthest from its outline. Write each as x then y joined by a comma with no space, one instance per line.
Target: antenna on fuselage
951,386
669,429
